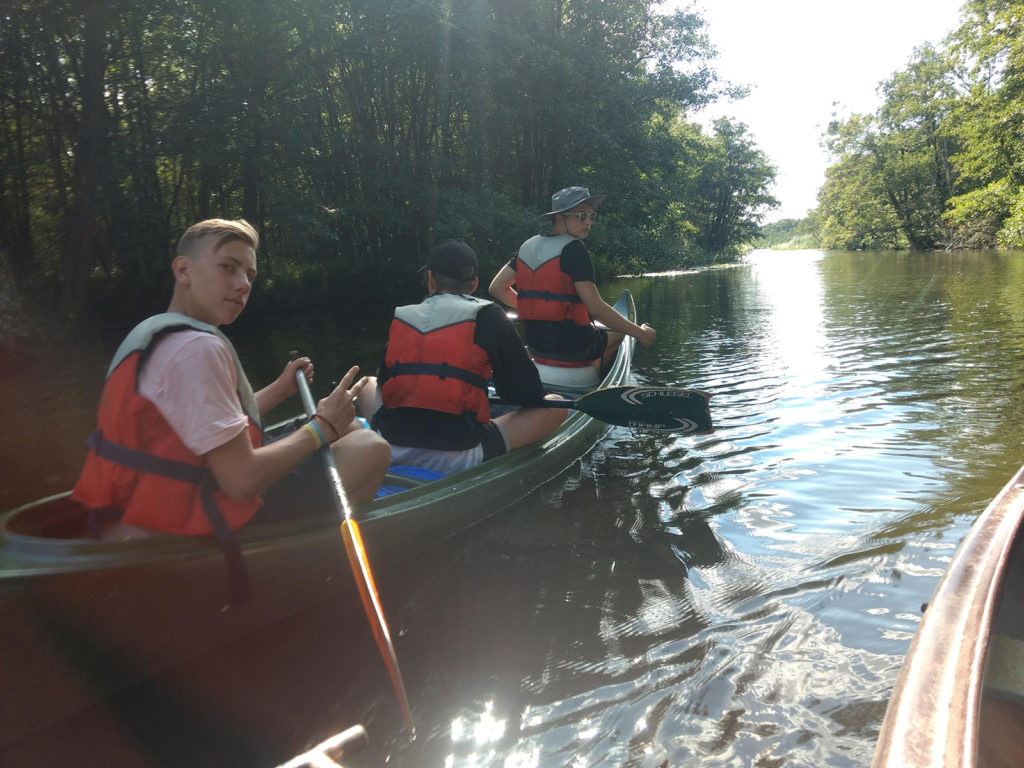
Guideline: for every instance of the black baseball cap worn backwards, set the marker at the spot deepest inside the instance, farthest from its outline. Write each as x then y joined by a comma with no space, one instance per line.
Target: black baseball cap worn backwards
455,259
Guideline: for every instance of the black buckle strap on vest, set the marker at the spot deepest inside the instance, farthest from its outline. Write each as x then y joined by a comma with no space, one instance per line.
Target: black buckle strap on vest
572,298
238,578
144,462
441,370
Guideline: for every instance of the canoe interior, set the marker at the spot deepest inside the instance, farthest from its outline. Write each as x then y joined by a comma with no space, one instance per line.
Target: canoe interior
54,518
1001,721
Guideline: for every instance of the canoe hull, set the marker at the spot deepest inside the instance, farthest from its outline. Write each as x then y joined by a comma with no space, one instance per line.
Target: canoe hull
91,617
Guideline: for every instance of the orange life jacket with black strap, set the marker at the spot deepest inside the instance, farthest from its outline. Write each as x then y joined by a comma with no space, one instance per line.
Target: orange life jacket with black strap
139,471
431,359
544,291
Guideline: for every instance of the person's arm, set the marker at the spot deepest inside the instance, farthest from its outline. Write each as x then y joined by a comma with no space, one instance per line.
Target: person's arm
284,386
501,286
515,376
243,471
604,313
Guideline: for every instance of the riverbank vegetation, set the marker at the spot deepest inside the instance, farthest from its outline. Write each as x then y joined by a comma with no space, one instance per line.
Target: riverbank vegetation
941,163
789,234
354,134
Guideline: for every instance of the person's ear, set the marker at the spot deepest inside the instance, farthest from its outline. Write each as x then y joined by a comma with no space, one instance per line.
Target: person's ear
180,269
476,284
431,282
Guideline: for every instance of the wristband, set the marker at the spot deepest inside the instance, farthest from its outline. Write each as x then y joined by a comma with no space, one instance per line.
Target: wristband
314,430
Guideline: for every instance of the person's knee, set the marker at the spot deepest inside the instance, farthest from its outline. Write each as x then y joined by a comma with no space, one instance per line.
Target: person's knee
369,400
530,425
556,415
366,451
376,447
555,418
547,420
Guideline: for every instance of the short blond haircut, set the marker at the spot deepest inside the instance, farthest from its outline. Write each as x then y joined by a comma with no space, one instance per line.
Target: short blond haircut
225,230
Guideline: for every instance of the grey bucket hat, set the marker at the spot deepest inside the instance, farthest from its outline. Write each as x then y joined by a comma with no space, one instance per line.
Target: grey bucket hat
568,198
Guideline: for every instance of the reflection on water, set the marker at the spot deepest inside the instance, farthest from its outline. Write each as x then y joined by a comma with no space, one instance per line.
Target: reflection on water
738,598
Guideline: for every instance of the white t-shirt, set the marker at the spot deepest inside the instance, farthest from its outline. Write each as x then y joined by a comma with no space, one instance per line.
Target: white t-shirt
190,377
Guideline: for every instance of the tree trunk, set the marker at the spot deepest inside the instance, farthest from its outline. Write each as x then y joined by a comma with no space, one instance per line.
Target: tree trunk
81,235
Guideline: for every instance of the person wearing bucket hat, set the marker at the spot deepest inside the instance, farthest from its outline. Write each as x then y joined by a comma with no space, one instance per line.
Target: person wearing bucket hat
551,282
430,396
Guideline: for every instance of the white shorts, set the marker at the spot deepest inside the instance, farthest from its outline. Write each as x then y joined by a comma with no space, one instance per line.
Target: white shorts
445,462
495,443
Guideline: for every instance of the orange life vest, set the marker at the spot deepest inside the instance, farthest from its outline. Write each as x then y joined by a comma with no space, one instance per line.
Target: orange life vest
544,291
431,359
138,468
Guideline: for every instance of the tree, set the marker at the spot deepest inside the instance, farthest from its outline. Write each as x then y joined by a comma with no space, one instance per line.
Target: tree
989,124
353,133
732,191
893,172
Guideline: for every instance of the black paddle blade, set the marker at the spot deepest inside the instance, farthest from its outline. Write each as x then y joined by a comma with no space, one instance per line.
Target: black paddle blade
665,409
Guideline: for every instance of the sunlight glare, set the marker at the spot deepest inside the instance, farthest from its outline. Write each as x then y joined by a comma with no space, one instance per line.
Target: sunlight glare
485,730
791,287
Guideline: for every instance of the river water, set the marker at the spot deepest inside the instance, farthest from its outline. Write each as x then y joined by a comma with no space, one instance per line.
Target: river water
743,598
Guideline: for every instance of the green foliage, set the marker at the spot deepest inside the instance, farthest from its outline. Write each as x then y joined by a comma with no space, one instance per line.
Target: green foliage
855,212
790,234
732,192
776,233
1012,233
941,164
354,134
977,215
892,175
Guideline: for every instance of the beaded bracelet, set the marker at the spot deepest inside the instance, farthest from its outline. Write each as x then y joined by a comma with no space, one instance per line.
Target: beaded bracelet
316,432
337,434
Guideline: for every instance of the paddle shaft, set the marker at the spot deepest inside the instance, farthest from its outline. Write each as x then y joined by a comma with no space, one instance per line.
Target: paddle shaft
357,558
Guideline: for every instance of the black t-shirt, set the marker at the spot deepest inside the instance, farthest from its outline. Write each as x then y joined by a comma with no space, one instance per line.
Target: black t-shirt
514,376
564,340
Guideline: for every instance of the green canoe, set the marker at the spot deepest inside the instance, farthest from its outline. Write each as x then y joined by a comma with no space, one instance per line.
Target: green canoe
84,617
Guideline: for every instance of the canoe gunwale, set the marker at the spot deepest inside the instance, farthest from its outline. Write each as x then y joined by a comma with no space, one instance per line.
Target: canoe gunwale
933,716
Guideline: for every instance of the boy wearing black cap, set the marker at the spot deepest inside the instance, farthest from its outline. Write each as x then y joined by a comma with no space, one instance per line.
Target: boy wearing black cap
555,290
430,398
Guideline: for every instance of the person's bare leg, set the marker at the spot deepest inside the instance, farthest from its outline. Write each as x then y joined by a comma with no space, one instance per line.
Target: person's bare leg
369,399
362,457
526,426
614,340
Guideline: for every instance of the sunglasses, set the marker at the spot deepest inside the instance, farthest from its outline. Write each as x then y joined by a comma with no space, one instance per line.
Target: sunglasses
581,215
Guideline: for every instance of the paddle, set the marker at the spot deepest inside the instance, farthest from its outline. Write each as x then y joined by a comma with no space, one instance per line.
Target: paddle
357,558
329,751
665,409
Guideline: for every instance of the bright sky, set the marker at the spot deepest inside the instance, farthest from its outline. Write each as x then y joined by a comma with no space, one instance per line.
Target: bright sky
800,56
